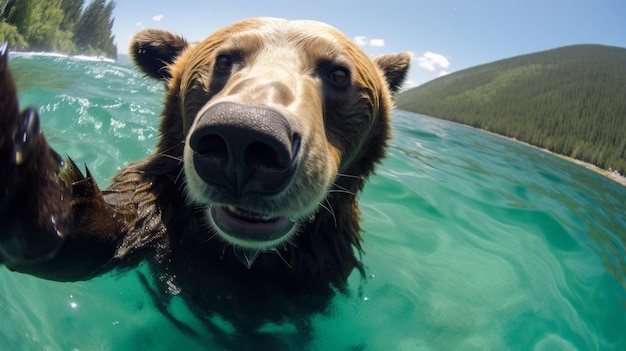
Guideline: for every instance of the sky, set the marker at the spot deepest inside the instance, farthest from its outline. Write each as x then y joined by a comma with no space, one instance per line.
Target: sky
444,36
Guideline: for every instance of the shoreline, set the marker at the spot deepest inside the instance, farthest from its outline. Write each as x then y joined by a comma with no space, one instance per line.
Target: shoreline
612,175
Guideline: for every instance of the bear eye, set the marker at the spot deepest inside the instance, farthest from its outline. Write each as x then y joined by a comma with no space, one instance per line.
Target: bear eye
339,76
223,63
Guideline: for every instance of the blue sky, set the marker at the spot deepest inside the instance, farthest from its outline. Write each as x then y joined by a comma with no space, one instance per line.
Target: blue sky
444,35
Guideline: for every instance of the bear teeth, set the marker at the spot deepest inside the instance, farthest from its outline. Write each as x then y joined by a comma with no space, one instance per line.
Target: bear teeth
248,215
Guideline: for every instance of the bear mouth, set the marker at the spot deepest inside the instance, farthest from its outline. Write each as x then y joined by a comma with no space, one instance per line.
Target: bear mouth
250,229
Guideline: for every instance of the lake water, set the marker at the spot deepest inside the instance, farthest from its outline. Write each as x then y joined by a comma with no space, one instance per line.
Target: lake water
472,242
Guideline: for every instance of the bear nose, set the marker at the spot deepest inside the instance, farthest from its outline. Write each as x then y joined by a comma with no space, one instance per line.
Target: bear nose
246,149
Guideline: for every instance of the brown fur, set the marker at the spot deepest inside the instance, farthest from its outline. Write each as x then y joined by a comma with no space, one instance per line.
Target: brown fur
156,208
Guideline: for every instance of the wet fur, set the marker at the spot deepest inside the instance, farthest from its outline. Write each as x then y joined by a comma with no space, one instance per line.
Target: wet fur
147,213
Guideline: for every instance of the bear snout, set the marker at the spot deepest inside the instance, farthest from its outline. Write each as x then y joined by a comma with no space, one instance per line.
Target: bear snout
244,149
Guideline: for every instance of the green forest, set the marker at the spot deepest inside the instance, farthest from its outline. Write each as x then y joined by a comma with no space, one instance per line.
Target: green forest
63,26
569,100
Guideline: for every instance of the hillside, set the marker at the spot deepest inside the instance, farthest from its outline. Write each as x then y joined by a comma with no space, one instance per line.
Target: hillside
570,100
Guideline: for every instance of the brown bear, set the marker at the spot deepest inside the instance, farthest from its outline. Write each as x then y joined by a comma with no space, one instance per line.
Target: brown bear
269,131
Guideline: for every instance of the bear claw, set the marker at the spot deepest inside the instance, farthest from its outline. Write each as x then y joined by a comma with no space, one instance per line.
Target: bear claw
25,137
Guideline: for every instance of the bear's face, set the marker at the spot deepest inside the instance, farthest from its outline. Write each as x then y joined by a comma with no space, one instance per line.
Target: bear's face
271,113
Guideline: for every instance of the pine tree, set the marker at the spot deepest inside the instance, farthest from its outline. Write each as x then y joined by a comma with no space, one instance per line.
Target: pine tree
5,8
71,13
92,34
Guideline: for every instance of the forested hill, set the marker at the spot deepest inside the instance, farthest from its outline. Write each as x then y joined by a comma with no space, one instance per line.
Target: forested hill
63,26
570,100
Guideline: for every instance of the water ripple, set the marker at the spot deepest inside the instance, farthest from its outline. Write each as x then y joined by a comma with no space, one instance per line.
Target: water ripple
472,242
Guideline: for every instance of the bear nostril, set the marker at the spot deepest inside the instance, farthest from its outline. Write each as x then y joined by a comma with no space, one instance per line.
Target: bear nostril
211,145
261,154
245,149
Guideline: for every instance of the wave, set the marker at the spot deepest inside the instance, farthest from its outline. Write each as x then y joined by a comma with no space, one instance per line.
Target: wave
55,54
93,58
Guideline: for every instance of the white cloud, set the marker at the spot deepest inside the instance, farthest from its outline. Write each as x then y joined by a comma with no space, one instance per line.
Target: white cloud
443,73
377,42
410,83
157,18
139,24
431,61
360,40
363,41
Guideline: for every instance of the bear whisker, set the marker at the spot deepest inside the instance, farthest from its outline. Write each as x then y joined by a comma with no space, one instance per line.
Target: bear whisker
179,159
330,210
164,152
350,176
246,256
341,190
276,251
180,173
213,235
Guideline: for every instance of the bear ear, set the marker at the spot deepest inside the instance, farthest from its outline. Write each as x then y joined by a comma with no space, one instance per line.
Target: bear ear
395,68
153,50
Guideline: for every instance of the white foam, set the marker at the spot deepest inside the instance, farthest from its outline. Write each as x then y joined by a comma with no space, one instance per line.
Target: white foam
93,58
54,54
37,53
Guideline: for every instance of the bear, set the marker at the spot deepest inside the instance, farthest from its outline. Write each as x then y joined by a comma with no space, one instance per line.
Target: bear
268,133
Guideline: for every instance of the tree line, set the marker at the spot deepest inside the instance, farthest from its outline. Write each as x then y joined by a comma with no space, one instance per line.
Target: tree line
65,26
569,100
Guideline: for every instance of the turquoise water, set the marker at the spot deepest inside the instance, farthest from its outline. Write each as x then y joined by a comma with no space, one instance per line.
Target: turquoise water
472,242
